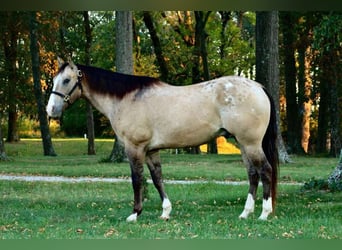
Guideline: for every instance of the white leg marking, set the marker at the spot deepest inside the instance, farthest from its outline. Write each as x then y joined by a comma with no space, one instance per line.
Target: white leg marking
132,217
167,207
266,208
249,207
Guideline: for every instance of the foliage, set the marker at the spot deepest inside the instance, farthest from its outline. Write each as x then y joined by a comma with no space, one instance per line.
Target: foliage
231,50
328,32
322,184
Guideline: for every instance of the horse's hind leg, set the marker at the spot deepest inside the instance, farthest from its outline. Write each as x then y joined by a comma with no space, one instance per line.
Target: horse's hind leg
253,177
266,179
257,167
153,163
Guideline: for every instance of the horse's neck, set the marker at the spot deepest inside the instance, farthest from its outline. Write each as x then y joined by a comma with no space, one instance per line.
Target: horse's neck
103,103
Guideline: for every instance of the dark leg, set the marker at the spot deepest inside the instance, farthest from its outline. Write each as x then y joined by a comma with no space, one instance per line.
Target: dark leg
153,163
266,178
136,160
253,177
257,168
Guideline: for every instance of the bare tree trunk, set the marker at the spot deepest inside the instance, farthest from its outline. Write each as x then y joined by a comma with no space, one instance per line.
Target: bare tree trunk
267,64
292,111
336,176
201,36
10,40
329,109
3,156
90,115
304,100
44,126
225,17
157,46
123,63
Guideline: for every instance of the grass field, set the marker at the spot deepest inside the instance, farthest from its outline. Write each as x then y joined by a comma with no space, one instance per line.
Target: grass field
200,211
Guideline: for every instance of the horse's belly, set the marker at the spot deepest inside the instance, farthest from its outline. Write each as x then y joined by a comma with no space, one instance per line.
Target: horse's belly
173,137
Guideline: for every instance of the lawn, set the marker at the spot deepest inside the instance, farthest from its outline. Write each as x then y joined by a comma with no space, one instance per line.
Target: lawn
98,210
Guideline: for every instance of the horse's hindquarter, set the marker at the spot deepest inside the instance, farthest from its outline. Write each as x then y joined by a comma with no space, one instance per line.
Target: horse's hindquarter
244,108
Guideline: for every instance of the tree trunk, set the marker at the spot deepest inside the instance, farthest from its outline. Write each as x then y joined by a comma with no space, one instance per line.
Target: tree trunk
336,176
157,45
225,17
292,114
10,40
329,113
200,57
323,115
90,115
44,126
304,92
335,113
3,156
12,131
123,63
201,18
328,39
267,64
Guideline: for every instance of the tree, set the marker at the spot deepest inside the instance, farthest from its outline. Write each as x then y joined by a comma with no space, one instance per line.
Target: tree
10,40
267,63
90,114
288,21
123,63
328,41
304,84
201,57
34,49
335,178
3,156
148,20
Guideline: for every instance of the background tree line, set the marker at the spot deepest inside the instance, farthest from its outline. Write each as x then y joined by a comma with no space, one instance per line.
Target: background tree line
179,47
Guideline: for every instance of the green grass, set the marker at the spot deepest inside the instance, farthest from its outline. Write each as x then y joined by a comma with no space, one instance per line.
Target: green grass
200,211
72,160
204,211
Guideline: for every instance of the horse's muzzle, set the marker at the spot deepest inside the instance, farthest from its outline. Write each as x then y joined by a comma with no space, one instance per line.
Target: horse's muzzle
53,112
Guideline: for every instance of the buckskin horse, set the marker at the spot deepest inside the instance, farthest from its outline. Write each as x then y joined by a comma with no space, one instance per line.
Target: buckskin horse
148,115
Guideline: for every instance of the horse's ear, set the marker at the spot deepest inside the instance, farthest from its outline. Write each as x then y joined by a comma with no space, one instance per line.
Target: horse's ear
60,62
70,62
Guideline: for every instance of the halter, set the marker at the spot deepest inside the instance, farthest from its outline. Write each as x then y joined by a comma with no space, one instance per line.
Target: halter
66,98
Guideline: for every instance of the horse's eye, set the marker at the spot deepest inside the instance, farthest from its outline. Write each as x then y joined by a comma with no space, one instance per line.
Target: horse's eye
66,81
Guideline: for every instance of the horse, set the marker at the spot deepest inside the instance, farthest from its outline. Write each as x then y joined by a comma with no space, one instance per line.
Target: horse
148,115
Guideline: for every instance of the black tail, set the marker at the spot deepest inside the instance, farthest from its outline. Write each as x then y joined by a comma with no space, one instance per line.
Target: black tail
269,145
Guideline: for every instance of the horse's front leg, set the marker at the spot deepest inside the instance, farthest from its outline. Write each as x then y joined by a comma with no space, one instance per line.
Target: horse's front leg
136,161
153,163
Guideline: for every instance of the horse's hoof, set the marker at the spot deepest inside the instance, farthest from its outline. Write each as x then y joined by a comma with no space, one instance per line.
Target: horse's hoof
244,215
166,218
263,217
241,217
132,218
167,208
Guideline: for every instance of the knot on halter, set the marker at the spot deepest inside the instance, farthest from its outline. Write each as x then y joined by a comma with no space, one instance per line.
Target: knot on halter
66,97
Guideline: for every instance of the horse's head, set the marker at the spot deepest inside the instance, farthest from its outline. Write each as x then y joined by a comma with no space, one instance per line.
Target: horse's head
66,88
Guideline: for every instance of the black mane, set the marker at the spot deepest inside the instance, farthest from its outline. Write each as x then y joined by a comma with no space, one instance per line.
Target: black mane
108,82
